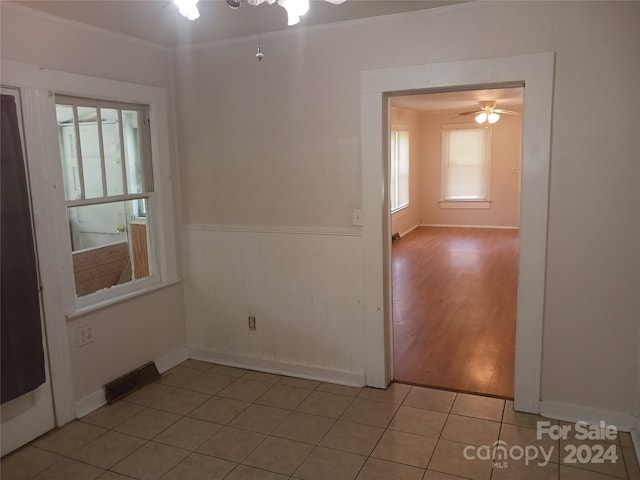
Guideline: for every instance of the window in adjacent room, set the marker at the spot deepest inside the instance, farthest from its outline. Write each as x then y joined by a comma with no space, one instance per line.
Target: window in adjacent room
108,185
399,166
465,164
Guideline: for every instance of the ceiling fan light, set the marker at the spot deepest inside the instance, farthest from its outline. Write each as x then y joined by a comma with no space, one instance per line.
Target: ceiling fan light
493,117
295,9
188,8
481,117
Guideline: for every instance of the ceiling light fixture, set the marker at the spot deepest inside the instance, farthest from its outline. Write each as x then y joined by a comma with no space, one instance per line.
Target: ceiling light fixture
295,8
487,114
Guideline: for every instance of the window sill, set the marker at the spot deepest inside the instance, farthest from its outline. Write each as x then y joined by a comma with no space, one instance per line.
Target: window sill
400,210
81,311
466,204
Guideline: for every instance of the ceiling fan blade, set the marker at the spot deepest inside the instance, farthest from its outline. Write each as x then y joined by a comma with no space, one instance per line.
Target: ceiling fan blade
508,112
471,113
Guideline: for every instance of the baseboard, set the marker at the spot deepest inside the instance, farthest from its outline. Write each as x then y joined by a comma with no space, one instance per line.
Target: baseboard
407,232
624,422
97,399
282,368
500,227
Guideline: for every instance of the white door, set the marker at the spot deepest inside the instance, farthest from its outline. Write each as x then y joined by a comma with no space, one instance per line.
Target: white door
29,416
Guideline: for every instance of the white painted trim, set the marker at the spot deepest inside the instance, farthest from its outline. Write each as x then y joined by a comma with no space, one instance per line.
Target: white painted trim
468,205
290,230
97,399
310,372
407,232
442,225
536,71
575,413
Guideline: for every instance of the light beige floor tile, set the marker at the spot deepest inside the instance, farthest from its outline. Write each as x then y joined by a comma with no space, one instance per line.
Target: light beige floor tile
325,464
300,383
209,382
112,415
520,471
262,377
228,371
260,418
181,401
243,472
325,404
282,396
304,427
71,437
449,457
196,364
27,463
200,467
219,410
431,475
514,435
148,395
407,448
150,461
521,419
370,412
339,389
244,390
479,407
469,430
430,399
279,455
231,444
69,469
352,437
615,468
188,433
376,469
148,423
178,376
631,462
394,393
416,420
571,473
108,449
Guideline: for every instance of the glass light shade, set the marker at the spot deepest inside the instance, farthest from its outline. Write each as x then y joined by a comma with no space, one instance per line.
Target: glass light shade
493,117
481,117
295,9
188,8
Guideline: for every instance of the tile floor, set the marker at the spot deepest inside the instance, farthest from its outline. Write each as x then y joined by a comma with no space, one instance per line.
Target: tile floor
202,421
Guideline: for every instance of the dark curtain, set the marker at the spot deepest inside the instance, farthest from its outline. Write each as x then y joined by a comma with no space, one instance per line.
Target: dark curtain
22,355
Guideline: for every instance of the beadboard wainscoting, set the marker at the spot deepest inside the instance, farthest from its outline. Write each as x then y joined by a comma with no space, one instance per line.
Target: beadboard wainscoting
303,285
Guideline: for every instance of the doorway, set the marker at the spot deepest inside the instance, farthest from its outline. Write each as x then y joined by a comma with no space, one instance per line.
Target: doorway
536,71
455,268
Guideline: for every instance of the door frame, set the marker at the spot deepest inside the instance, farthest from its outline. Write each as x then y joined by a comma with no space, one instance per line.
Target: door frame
536,73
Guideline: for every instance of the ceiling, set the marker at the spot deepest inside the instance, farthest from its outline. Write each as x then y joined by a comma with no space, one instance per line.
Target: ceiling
158,21
468,100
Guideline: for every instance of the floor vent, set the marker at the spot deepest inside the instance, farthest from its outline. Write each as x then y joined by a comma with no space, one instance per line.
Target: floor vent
131,382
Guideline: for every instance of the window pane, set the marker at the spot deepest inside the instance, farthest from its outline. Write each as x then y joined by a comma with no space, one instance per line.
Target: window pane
110,246
403,168
68,152
90,152
113,165
466,165
130,124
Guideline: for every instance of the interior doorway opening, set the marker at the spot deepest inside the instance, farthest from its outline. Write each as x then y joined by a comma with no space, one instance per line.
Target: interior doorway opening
455,269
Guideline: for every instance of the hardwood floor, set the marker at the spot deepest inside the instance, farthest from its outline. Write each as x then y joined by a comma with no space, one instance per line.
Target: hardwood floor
455,295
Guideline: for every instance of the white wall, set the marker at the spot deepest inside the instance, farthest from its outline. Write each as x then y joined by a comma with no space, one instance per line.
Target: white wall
259,144
144,328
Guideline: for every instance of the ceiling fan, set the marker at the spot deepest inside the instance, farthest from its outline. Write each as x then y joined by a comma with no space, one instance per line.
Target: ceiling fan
488,112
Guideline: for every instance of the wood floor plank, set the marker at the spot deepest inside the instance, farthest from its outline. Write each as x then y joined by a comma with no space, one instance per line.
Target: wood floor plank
454,304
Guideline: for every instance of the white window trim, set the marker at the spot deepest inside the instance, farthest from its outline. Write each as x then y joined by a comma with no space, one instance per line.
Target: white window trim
475,204
406,129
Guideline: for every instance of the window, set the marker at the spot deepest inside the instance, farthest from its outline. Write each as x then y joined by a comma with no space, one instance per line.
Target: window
108,185
465,163
399,175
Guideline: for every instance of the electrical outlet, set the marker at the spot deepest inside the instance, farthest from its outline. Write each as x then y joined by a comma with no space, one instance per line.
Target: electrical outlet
252,322
85,336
